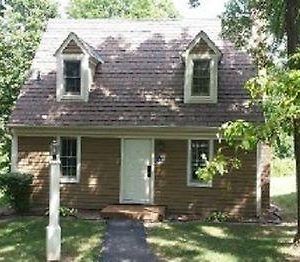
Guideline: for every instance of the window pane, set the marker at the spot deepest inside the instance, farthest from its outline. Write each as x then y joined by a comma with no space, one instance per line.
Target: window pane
72,77
201,78
199,157
68,156
72,68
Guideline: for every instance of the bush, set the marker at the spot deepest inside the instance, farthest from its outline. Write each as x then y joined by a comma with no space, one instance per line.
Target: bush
283,167
65,212
16,187
218,216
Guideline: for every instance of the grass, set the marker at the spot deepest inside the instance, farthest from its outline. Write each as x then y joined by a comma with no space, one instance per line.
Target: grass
210,242
23,239
283,195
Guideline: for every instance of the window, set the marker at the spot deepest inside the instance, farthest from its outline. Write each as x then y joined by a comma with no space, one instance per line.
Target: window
72,77
70,159
201,78
199,153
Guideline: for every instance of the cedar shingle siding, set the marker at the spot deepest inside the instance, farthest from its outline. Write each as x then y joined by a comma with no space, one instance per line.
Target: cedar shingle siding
100,176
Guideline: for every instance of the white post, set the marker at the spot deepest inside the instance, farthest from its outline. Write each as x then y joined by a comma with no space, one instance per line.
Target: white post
14,152
53,229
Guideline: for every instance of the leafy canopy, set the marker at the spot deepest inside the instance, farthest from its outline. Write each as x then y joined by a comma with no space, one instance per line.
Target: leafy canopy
21,25
277,93
122,9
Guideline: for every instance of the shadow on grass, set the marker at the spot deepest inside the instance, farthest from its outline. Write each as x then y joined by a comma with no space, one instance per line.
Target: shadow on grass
23,239
206,242
288,205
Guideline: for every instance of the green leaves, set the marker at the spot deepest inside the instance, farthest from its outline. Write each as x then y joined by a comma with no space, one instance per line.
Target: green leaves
16,187
219,165
20,30
122,9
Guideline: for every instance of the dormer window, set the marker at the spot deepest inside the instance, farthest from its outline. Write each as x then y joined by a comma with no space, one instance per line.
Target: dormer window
201,71
201,77
72,77
76,64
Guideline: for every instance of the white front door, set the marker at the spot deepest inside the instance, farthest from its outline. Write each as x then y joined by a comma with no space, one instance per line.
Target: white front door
137,171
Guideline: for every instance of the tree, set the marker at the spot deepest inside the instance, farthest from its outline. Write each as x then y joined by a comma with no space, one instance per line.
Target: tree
277,93
21,25
122,9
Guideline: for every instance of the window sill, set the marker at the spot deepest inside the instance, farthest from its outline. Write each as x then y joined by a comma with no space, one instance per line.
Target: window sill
72,98
69,180
200,100
195,184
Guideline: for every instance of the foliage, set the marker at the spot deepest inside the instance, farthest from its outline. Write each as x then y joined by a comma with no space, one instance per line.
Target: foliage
65,212
3,200
24,239
122,9
16,187
20,30
283,167
283,147
218,216
257,26
220,165
278,95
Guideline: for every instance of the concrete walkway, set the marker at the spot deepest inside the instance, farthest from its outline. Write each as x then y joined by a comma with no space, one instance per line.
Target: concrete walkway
125,240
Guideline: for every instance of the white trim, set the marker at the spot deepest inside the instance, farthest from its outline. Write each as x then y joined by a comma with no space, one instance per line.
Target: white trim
183,133
14,152
121,190
211,153
259,167
83,46
64,179
202,36
85,77
189,70
151,182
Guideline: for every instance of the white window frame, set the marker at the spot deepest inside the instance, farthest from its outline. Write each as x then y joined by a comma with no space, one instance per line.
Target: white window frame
189,70
85,77
65,179
190,182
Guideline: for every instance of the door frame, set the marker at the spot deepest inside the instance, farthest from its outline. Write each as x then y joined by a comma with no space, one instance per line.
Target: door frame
152,179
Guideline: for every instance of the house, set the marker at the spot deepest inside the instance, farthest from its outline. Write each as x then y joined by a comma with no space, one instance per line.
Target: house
136,106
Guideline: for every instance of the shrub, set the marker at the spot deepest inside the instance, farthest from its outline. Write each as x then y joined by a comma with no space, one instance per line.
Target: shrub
16,187
218,216
65,212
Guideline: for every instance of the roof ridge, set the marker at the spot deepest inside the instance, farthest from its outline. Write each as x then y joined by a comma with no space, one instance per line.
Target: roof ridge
140,20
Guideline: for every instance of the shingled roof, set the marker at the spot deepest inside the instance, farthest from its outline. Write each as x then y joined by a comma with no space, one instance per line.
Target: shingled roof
141,81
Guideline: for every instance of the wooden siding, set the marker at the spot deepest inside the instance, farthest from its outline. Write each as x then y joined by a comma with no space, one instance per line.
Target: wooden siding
72,48
201,48
100,170
234,193
99,178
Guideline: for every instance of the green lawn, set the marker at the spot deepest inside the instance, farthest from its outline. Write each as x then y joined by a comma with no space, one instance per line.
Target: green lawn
23,239
209,242
283,195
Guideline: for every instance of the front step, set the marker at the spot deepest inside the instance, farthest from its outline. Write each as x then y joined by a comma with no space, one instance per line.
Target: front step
147,213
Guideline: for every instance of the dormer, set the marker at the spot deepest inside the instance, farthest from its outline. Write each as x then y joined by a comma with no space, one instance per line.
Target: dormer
76,63
201,57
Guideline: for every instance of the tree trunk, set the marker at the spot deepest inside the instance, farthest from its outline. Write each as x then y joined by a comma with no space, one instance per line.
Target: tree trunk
291,22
